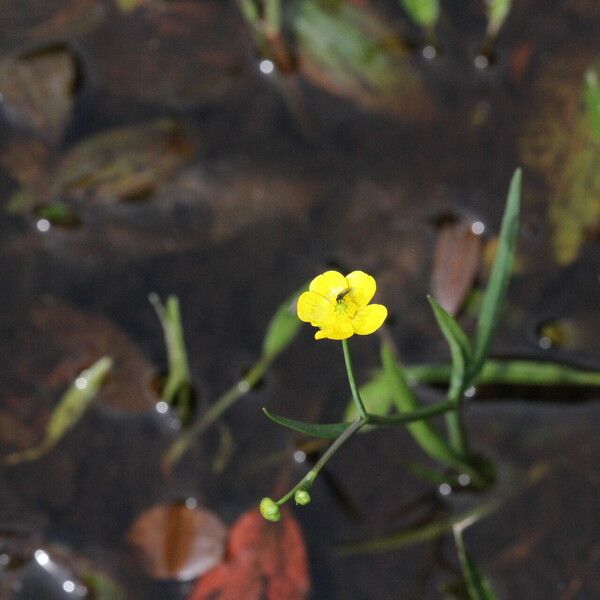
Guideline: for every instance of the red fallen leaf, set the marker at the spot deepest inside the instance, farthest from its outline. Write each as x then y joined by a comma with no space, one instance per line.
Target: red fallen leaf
177,542
455,264
265,561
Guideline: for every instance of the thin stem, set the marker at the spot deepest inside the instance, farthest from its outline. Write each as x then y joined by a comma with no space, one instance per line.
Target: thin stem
414,415
362,411
228,399
307,481
454,423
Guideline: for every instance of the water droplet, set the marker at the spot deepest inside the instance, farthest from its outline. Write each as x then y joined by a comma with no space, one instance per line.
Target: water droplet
464,479
191,503
81,383
162,407
266,66
243,386
482,62
68,586
43,225
41,557
299,456
477,227
429,52
445,489
470,392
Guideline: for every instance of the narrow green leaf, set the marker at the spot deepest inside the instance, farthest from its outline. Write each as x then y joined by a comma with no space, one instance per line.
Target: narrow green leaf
495,293
478,586
283,327
178,371
591,94
508,372
69,410
460,347
423,12
426,532
497,12
422,431
326,431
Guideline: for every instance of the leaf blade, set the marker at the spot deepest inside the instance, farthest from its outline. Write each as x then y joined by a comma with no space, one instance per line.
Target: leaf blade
497,287
326,431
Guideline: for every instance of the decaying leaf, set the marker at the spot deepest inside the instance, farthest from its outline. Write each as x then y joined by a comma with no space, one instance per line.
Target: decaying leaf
24,22
123,164
264,560
558,141
38,89
176,542
455,264
72,340
352,52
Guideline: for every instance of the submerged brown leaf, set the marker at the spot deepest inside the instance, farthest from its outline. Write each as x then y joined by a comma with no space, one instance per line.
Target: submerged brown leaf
349,50
38,89
177,542
54,345
455,264
265,561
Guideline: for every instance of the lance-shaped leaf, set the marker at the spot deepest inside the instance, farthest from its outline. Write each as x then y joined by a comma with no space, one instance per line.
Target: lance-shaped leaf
495,293
422,431
497,12
423,12
283,327
71,407
328,431
592,102
478,586
460,347
178,377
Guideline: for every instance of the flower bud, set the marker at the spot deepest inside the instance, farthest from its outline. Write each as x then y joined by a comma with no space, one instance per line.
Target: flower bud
302,497
269,510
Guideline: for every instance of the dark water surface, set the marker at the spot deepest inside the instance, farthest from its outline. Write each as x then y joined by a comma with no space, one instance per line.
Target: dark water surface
265,181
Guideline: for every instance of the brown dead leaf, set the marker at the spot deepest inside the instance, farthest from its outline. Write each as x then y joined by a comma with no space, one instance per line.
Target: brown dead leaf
265,560
455,264
177,542
38,89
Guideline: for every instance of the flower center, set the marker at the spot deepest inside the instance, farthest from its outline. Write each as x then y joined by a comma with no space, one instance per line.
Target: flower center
344,304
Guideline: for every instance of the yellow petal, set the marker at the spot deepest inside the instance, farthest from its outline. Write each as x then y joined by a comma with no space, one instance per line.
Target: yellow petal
313,308
369,319
362,287
337,327
329,285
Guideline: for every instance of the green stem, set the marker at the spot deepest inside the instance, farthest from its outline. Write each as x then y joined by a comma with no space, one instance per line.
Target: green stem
307,481
413,415
228,399
362,411
454,423
272,16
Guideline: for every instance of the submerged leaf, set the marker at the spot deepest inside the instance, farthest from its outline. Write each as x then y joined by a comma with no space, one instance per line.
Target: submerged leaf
497,12
478,586
455,264
38,89
559,142
352,52
265,561
68,411
176,542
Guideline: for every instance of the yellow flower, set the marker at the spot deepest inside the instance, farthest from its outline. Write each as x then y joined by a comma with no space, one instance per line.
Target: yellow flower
339,306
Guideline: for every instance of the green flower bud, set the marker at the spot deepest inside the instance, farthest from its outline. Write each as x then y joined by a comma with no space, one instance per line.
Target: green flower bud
269,510
302,497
